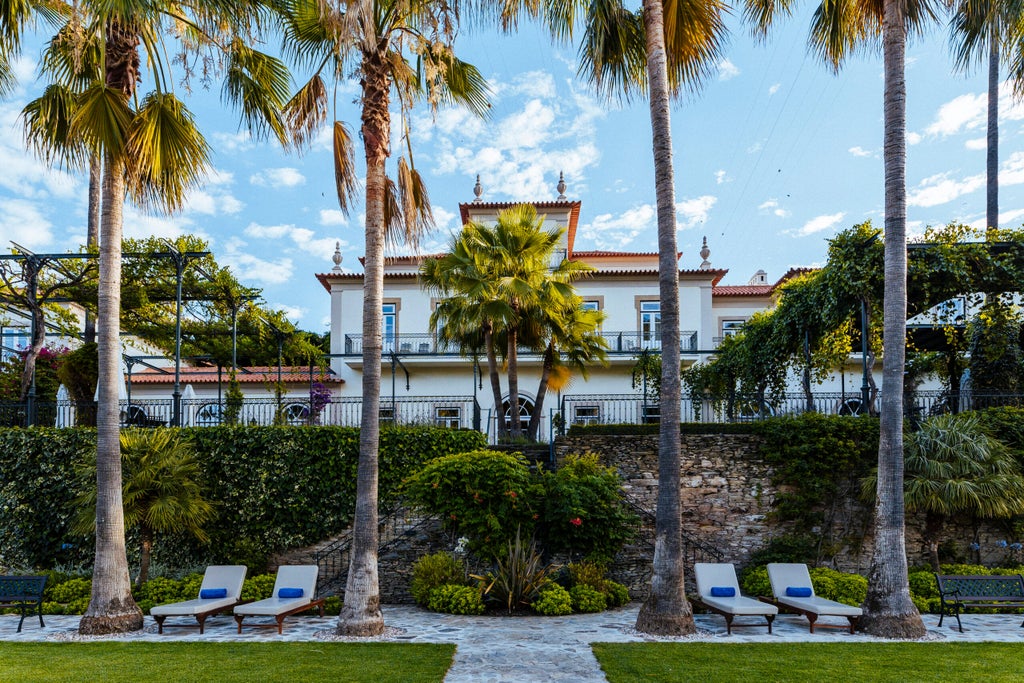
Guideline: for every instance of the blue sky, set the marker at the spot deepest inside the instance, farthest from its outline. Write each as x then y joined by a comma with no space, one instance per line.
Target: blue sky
774,156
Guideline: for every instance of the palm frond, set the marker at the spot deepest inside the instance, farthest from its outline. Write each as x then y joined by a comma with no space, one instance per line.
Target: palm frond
612,54
258,85
166,154
345,173
48,127
306,111
102,119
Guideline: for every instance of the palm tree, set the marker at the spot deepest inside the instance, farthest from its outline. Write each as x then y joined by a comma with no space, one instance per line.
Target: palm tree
151,151
986,30
837,30
400,47
162,493
499,279
666,46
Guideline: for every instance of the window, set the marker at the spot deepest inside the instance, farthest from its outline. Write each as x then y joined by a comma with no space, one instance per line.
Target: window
13,340
296,414
651,414
650,324
525,411
731,327
591,305
390,326
448,417
586,415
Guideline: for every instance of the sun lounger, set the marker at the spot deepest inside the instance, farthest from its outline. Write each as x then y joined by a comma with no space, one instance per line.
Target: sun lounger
221,590
718,591
794,593
294,591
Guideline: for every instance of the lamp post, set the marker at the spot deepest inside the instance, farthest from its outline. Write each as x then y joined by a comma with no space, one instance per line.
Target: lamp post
180,260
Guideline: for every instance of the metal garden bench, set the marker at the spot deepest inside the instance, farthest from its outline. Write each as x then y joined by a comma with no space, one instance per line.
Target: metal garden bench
958,593
23,593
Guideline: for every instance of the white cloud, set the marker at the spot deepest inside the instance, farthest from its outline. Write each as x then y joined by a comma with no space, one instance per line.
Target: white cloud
23,222
913,138
727,70
278,177
772,206
292,313
332,217
611,232
233,142
446,220
860,152
722,177
694,211
529,128
963,112
754,148
941,189
247,267
301,238
139,225
819,223
774,88
976,144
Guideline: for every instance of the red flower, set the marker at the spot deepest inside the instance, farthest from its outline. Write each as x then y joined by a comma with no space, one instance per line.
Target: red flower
576,521
511,494
453,516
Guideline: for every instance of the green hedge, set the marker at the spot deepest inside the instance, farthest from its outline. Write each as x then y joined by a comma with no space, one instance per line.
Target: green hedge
273,487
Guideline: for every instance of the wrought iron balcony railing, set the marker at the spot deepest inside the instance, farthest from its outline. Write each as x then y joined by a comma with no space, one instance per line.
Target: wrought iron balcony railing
426,344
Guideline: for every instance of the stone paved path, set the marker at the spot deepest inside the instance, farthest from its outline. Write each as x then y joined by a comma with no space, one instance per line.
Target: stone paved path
522,649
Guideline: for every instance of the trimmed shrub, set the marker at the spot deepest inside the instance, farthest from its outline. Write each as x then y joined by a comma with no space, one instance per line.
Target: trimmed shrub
553,601
456,599
849,589
486,496
274,488
616,593
583,512
587,599
432,571
332,605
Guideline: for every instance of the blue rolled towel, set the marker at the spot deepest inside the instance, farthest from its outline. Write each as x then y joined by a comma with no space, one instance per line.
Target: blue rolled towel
723,592
798,592
290,593
211,593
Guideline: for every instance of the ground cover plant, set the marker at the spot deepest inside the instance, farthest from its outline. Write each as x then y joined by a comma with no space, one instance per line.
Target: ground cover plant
881,662
117,662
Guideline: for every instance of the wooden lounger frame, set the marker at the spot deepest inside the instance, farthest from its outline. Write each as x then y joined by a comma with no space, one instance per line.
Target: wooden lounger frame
319,602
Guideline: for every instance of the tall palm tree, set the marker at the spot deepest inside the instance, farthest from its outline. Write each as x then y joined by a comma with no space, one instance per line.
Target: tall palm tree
980,31
401,48
668,45
151,151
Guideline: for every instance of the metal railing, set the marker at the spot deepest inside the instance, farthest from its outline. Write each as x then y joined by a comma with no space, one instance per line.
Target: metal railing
456,412
635,409
632,342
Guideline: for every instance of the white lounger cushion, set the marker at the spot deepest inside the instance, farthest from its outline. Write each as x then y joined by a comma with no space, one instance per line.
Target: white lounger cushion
786,575
288,576
190,607
715,574
229,577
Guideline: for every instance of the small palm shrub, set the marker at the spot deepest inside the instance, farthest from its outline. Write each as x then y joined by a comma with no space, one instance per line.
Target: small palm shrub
587,599
455,599
518,576
553,601
431,571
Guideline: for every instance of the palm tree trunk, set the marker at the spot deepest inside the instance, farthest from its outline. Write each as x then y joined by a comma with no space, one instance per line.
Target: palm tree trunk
992,158
492,371
93,231
888,609
542,391
360,615
111,607
515,426
666,611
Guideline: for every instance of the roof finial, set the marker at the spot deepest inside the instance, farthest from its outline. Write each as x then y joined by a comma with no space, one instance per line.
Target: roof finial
704,253
478,190
337,257
561,187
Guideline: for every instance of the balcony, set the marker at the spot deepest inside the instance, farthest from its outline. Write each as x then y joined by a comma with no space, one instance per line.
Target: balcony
425,344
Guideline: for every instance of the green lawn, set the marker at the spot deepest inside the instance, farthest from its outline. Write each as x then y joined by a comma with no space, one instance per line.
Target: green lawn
757,662
113,662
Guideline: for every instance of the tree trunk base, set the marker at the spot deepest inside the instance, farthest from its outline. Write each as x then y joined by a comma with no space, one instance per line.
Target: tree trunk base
361,625
665,623
106,624
893,626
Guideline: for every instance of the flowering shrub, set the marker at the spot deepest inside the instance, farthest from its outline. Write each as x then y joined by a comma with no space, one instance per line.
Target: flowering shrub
319,398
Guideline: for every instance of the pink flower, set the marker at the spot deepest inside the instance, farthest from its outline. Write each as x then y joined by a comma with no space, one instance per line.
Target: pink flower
576,521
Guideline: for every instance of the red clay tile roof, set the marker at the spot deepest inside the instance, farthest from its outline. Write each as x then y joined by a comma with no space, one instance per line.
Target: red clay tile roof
249,375
743,290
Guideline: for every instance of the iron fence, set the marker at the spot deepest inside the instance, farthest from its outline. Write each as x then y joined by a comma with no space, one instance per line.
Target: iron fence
425,344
